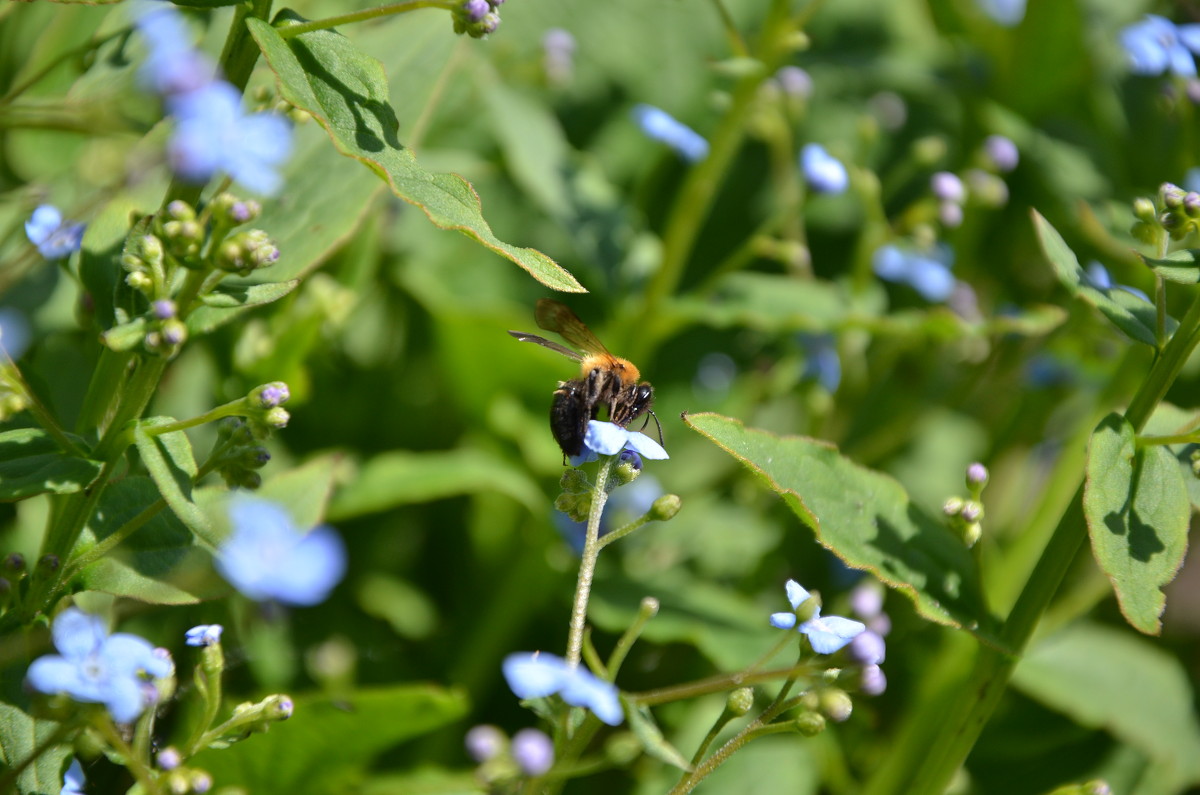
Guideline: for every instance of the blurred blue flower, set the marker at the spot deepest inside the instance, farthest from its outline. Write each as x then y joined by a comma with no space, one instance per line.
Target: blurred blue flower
822,362
824,172
173,65
794,81
267,557
1156,45
1002,152
14,332
73,779
537,675
1008,13
483,742
533,751
53,237
947,186
826,635
928,274
213,134
607,438
204,635
868,648
97,668
1098,276
661,126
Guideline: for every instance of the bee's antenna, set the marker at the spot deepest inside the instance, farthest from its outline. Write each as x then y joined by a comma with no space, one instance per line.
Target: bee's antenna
650,413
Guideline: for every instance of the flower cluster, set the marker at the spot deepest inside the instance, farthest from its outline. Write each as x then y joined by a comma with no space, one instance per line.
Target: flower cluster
661,126
530,750
477,18
95,667
268,558
212,132
927,272
951,194
538,675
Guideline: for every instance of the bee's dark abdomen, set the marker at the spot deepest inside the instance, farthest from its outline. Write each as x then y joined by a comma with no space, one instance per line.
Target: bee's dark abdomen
569,416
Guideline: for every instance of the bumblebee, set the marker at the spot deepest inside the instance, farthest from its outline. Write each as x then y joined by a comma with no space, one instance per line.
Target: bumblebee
604,380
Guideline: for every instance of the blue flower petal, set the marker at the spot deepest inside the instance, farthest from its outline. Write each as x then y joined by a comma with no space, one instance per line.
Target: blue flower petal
796,594
534,675
582,689
824,172
783,620
661,126
828,634
73,779
52,674
77,634
123,698
606,438
645,446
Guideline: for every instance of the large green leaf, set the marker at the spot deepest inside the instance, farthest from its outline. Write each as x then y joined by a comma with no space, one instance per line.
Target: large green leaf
345,90
231,299
402,478
31,462
1104,678
1178,266
1134,316
20,735
159,563
294,757
169,460
865,518
1137,508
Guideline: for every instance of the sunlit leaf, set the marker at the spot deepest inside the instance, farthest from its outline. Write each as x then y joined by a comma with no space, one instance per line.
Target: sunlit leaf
31,462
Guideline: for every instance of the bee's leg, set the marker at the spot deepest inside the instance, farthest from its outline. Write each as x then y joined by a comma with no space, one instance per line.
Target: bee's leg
593,387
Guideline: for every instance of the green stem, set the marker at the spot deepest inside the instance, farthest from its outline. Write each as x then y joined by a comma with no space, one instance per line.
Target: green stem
718,684
110,542
132,763
993,668
292,31
587,564
234,408
691,209
105,388
720,723
1157,441
617,535
646,611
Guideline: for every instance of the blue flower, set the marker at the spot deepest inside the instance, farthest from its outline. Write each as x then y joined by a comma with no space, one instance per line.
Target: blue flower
54,238
826,635
173,65
213,134
484,742
1008,13
95,667
661,126
14,332
608,438
928,274
1156,45
267,557
824,172
533,751
537,675
204,635
73,779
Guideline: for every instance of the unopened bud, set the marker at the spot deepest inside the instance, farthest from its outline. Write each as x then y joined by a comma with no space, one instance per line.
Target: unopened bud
267,396
169,758
181,211
14,563
278,707
174,332
977,476
953,506
972,511
665,507
972,533
740,701
836,704
1171,195
810,724
48,564
140,282
277,417
1143,209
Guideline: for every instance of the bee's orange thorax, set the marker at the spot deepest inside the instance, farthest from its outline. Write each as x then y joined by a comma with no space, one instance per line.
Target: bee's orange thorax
607,362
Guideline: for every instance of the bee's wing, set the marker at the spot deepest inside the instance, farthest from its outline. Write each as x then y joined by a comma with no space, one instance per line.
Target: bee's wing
545,343
554,316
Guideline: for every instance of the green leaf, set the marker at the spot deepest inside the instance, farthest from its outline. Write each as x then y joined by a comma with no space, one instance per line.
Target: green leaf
168,458
1105,678
159,563
345,90
770,302
651,737
229,295
1134,316
20,735
31,462
1137,508
403,478
293,757
865,518
126,336
1178,266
